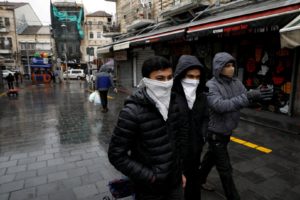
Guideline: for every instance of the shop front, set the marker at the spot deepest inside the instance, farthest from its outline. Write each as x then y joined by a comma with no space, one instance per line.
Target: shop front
40,68
252,36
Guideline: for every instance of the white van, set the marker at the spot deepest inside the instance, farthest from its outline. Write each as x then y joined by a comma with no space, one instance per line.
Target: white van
74,74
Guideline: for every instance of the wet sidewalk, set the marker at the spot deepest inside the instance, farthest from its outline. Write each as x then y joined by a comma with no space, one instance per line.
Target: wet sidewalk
277,121
53,145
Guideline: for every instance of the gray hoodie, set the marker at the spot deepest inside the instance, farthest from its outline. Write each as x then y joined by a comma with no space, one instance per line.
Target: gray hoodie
225,98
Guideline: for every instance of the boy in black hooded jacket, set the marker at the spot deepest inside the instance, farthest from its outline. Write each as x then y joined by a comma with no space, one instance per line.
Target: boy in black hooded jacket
189,84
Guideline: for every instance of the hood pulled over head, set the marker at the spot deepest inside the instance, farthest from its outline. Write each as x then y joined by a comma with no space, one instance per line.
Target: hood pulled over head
186,62
219,62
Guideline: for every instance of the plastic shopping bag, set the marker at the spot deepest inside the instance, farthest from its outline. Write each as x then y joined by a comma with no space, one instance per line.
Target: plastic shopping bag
97,100
92,97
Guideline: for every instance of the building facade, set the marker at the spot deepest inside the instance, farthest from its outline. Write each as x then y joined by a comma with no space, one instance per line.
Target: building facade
14,19
8,37
67,20
97,25
32,41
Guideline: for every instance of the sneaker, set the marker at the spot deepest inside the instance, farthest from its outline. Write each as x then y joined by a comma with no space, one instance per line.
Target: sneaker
207,187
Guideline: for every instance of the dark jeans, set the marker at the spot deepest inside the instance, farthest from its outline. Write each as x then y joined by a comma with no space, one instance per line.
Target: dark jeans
10,85
171,194
103,97
192,189
218,156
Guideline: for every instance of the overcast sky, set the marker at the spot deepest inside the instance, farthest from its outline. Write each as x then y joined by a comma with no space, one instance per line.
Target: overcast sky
42,7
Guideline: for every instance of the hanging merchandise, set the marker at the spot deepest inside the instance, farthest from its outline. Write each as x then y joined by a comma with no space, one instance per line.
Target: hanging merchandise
37,55
258,54
287,87
265,58
251,65
263,71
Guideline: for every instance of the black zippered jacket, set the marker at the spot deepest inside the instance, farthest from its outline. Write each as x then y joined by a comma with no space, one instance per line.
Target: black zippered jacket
143,144
197,117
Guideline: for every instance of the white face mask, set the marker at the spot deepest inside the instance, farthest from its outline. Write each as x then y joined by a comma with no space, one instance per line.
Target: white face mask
190,87
160,93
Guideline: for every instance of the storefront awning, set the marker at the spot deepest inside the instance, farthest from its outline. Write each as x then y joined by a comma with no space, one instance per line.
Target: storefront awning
264,15
290,34
163,35
121,46
104,49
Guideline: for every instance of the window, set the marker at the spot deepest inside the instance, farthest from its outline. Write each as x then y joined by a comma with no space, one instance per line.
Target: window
91,35
108,20
7,21
90,23
98,34
8,43
90,50
23,46
1,22
99,24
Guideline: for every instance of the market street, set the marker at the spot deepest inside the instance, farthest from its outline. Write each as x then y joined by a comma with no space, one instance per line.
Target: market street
53,145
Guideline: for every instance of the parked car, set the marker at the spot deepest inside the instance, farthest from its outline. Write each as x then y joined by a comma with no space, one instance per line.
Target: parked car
5,73
74,74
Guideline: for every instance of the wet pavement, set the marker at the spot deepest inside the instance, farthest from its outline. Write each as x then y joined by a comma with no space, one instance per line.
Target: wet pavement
53,145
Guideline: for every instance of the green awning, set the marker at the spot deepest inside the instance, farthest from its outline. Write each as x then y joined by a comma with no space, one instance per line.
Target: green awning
290,34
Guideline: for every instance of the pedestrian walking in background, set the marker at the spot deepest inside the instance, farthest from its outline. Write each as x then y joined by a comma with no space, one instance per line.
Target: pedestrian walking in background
143,146
189,85
227,95
10,81
104,81
16,75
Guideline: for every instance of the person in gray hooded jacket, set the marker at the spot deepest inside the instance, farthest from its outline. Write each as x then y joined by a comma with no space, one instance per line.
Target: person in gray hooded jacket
226,96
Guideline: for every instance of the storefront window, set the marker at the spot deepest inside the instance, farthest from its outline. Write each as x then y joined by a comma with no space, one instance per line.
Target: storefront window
267,67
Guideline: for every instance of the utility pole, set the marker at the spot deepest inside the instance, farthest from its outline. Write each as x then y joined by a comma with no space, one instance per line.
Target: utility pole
28,61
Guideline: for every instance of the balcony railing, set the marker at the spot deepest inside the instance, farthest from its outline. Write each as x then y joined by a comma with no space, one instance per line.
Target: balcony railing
111,30
5,51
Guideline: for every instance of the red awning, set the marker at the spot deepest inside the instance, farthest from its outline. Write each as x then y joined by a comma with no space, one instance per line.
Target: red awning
219,24
159,37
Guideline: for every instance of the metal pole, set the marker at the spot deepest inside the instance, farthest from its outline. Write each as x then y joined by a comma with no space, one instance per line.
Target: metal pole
89,62
28,62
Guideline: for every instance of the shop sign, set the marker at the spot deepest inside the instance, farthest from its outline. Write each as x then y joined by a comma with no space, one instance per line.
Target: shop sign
120,55
229,29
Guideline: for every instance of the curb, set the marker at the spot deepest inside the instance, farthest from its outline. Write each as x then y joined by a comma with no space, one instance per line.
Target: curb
269,126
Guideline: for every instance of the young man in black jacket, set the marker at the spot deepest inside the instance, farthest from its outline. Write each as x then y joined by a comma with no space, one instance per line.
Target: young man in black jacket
143,146
189,86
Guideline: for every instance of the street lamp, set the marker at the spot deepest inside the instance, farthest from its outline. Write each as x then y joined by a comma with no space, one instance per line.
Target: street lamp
63,26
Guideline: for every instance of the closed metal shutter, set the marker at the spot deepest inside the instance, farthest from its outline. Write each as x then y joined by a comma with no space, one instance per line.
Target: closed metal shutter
125,75
141,56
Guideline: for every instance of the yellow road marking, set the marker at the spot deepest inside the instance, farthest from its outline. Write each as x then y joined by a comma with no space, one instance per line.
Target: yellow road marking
4,93
251,145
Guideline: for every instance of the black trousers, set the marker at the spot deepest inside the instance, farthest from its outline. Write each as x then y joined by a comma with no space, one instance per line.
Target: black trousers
192,190
10,85
171,194
217,155
103,97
